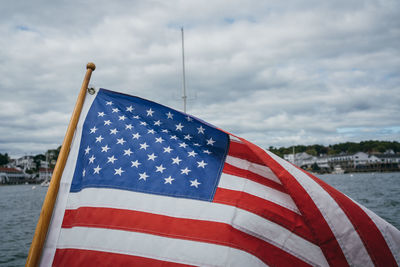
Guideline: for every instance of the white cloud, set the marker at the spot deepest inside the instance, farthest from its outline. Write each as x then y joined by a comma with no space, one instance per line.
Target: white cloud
274,72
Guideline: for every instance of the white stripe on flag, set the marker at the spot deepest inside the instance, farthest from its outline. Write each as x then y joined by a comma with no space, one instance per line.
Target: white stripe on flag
200,210
232,182
261,170
235,139
155,247
65,185
350,242
389,233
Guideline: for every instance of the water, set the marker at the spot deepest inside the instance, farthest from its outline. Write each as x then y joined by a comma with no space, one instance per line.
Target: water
379,192
20,208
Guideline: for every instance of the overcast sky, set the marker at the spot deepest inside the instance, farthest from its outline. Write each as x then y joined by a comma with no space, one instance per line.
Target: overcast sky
277,73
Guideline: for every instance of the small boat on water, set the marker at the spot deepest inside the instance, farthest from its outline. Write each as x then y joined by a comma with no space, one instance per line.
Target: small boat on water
45,183
338,170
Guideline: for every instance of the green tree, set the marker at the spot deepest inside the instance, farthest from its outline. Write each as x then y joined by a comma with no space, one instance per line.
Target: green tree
315,167
4,159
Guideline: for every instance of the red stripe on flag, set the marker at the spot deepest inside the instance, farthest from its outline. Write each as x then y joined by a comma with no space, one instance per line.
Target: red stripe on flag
369,233
91,258
312,215
189,229
229,169
240,150
266,209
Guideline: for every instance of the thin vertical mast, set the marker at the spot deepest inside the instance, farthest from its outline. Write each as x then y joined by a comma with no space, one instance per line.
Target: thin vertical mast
184,97
294,162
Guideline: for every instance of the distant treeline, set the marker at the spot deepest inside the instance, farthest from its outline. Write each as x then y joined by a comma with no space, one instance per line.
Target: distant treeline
315,150
348,148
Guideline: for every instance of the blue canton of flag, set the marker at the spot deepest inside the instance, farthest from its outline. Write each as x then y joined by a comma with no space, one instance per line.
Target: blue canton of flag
134,144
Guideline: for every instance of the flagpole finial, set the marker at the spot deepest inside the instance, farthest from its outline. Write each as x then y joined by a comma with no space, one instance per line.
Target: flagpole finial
91,66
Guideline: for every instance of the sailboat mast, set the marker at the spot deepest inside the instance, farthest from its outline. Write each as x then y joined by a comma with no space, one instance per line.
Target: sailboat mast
184,97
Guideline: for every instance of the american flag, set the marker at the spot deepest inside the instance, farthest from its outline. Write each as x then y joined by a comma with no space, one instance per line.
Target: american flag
147,185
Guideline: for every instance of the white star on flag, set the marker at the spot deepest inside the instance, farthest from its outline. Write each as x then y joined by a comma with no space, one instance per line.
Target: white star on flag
128,152
113,131
91,159
185,171
105,148
160,168
151,157
111,159
176,160
150,112
168,180
135,136
179,127
194,183
135,163
159,140
184,145
210,141
120,141
118,171
201,164
192,154
200,130
167,149
93,130
144,146
143,176
97,170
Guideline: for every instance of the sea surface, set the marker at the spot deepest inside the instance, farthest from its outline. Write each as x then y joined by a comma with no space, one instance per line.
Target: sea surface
20,207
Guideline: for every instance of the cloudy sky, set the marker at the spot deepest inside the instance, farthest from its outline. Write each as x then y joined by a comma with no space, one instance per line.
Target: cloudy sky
275,72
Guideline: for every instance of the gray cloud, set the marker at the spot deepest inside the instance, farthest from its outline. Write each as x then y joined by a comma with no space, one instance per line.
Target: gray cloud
276,73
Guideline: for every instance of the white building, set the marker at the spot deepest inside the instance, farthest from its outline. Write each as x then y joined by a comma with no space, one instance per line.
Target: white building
25,163
360,158
388,158
45,174
11,175
300,159
322,162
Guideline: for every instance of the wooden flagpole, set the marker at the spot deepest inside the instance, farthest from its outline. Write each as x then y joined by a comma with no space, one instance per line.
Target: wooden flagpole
42,227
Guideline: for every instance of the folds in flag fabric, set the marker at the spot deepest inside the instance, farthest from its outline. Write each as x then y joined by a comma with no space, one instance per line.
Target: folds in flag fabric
148,185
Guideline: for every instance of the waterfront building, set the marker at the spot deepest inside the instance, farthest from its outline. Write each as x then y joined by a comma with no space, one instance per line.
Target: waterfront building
12,175
45,174
359,161
388,158
301,159
25,163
